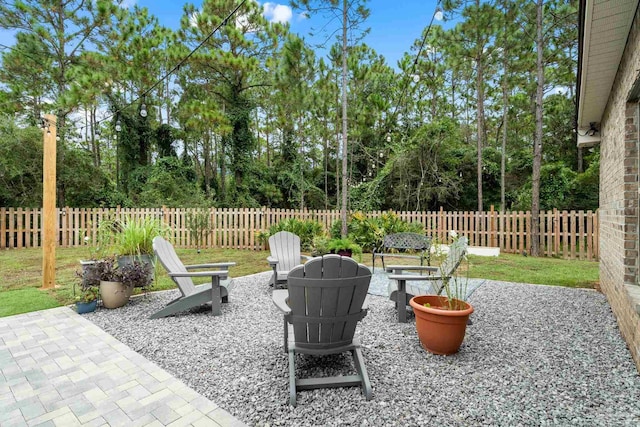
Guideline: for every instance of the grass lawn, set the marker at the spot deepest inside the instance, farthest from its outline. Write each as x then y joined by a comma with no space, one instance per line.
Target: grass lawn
21,272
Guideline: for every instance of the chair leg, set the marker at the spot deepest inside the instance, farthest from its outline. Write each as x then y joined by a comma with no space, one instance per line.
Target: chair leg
358,360
292,377
401,297
286,336
216,310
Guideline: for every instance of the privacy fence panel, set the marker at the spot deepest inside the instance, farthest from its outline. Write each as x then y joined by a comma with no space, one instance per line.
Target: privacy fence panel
564,234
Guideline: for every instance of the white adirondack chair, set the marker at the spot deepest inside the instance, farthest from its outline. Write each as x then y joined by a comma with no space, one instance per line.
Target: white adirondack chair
285,255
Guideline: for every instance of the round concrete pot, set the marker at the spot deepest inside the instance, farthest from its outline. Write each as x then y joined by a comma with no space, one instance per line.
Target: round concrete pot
114,294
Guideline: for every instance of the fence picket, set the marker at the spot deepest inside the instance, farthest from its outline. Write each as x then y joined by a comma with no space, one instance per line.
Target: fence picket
572,235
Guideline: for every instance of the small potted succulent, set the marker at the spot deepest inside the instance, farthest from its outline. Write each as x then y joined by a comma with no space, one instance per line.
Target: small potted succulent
87,300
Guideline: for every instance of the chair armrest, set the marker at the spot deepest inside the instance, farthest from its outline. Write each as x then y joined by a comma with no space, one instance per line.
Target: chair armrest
280,298
412,278
399,268
273,261
224,265
223,274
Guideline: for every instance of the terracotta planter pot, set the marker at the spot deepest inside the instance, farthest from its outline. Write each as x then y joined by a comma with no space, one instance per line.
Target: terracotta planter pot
441,331
114,294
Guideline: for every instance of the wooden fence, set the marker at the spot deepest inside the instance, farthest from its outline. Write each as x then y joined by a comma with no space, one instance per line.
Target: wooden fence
570,235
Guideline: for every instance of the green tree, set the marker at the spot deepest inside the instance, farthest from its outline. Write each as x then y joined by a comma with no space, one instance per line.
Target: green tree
294,73
64,29
352,13
226,69
475,37
20,164
21,73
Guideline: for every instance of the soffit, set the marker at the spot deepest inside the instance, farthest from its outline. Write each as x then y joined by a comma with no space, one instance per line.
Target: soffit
606,28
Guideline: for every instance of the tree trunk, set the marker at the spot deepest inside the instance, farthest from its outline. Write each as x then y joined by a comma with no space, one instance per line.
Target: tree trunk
206,154
301,168
345,188
480,109
580,160
505,122
480,119
537,142
326,165
95,141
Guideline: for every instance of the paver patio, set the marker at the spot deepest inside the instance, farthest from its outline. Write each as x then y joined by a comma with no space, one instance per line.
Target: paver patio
58,369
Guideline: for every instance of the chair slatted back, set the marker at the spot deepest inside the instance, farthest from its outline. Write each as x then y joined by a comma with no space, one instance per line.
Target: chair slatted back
456,254
168,257
326,296
285,247
407,240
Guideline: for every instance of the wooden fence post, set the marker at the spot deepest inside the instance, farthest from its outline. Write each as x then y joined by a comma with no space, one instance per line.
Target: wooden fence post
49,204
492,226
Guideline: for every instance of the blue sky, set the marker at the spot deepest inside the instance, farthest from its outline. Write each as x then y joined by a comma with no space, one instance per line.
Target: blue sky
395,25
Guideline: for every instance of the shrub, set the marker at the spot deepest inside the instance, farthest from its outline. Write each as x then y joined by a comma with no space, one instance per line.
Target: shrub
338,245
131,236
305,229
368,232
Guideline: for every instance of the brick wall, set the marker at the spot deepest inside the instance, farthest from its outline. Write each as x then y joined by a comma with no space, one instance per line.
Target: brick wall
619,197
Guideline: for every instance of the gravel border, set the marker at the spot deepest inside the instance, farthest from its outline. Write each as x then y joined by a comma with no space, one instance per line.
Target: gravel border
534,355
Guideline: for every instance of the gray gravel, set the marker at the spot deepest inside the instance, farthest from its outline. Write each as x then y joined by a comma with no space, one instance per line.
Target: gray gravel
534,355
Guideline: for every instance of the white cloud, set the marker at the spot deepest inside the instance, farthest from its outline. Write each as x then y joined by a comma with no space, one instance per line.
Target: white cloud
193,19
277,12
126,4
243,24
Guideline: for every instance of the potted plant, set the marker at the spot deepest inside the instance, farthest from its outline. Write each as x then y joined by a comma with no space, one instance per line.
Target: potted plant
87,300
113,292
320,245
94,252
132,239
343,247
441,321
136,275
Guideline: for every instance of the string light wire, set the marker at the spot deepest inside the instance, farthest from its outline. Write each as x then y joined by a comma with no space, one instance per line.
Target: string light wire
163,78
415,63
176,67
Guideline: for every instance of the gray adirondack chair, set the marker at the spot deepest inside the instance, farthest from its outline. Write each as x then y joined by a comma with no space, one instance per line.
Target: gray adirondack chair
192,295
322,306
285,254
402,292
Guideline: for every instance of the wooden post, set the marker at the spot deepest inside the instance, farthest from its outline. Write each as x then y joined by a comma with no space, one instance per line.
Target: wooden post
492,227
49,217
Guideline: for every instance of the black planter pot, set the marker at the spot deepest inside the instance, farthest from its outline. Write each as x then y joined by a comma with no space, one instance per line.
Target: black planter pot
144,259
344,252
